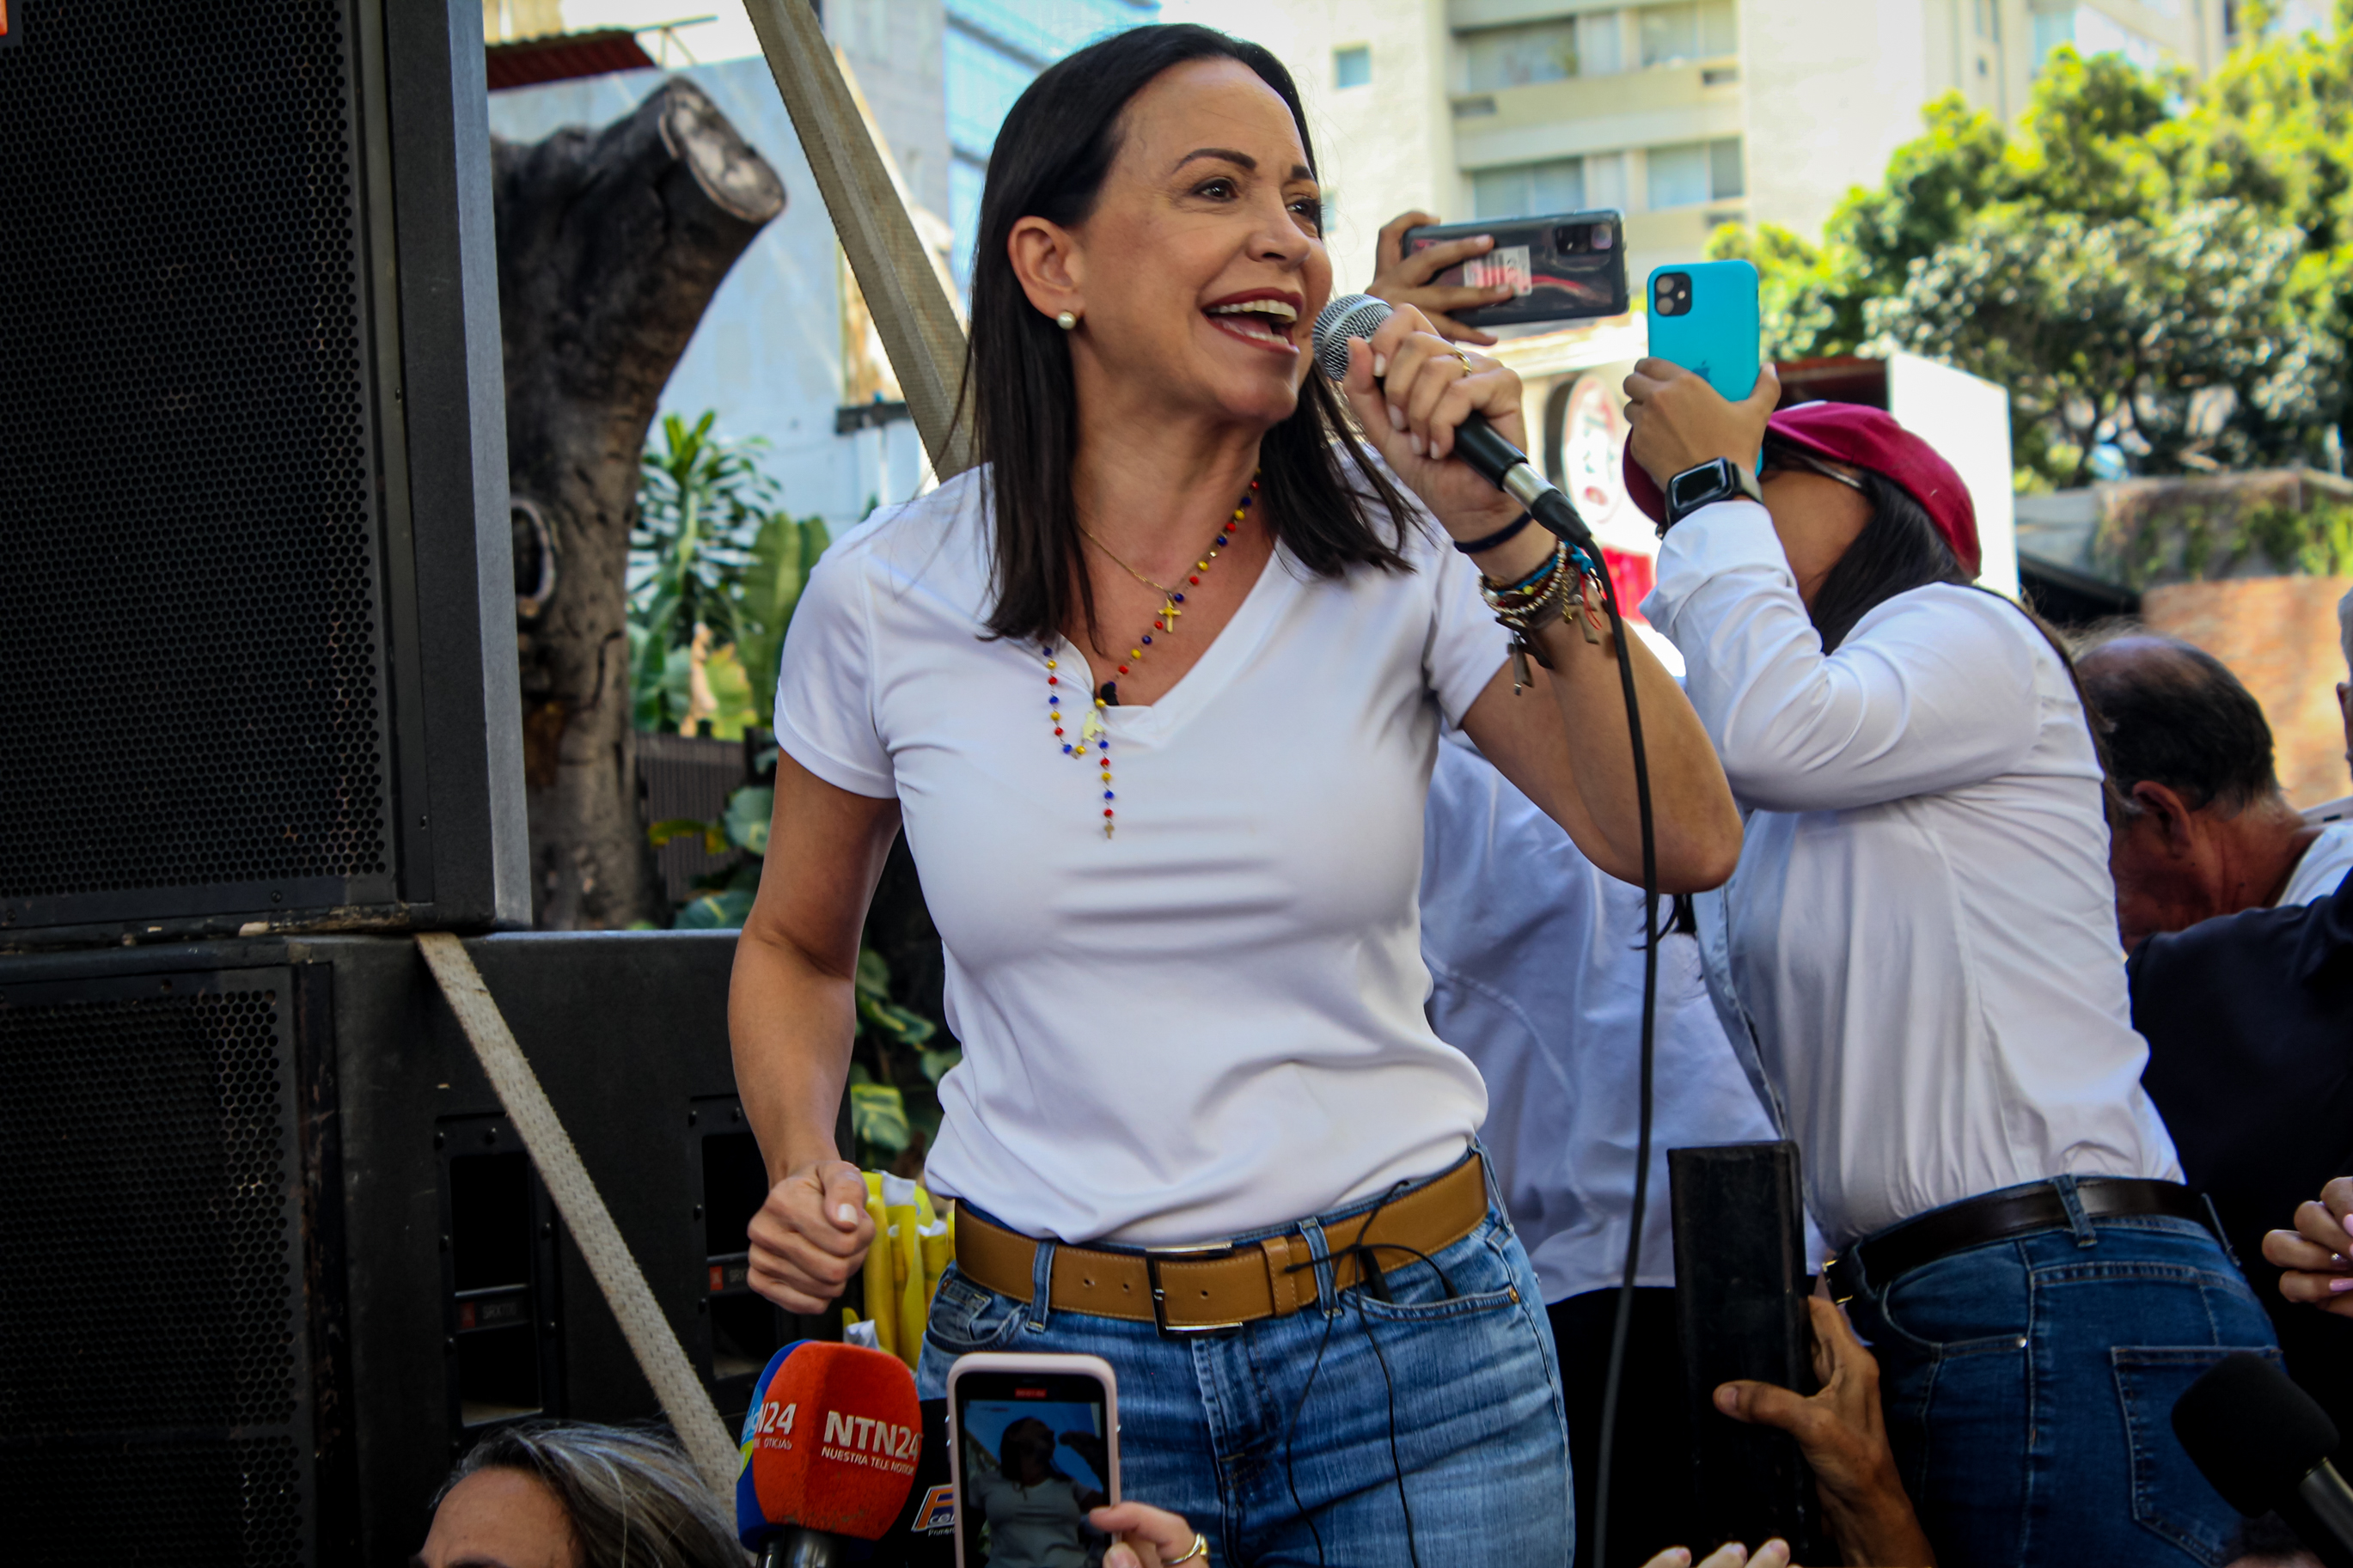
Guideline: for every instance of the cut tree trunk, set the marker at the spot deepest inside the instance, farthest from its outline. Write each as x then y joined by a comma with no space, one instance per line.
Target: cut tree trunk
611,243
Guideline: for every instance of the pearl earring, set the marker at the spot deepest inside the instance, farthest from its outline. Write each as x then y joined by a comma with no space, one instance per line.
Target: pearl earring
1067,320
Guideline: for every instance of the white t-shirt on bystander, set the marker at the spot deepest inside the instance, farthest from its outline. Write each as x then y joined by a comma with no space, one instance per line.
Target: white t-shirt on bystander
2322,868
1211,1023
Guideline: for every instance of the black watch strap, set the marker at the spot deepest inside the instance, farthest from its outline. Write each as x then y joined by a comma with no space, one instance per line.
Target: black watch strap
1718,478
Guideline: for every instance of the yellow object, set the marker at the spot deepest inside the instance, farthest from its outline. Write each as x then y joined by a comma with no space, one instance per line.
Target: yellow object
910,1300
879,1292
913,1243
939,1247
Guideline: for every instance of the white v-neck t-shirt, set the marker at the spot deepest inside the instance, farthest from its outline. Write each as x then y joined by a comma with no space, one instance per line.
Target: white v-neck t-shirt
1212,1022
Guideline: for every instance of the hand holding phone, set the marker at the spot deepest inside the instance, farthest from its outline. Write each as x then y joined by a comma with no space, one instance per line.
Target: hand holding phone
1565,268
1410,278
1705,392
1034,1444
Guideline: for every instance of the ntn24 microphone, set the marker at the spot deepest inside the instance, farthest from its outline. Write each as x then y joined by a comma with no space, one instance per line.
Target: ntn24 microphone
830,1446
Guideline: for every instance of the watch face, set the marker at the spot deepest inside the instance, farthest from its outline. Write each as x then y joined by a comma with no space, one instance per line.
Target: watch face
1695,487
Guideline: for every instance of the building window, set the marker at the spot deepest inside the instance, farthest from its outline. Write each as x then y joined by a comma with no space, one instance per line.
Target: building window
1541,51
1352,66
2094,32
1696,29
1518,56
1555,185
1598,43
1726,178
1691,173
1527,190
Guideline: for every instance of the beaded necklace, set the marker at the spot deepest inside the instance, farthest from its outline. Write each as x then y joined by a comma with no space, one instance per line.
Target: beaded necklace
1094,738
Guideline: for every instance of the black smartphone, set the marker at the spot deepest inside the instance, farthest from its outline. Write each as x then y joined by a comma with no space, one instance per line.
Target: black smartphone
1034,1440
1740,1306
1566,268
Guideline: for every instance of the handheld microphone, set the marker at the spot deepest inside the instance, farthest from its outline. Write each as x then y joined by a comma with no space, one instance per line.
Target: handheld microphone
2264,1444
1507,468
830,1452
1493,459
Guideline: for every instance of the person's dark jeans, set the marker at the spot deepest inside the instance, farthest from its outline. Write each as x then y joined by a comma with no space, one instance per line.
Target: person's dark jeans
2028,1386
1652,1504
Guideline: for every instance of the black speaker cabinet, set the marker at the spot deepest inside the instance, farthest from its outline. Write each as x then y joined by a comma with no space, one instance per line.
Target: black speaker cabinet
256,571
271,1257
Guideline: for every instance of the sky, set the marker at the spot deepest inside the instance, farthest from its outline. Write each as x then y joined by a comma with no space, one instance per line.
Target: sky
727,37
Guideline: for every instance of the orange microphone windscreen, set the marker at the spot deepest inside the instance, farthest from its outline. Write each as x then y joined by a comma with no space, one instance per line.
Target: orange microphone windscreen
829,1443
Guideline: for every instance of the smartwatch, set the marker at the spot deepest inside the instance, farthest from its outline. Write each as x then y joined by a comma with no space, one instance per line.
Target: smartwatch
1718,478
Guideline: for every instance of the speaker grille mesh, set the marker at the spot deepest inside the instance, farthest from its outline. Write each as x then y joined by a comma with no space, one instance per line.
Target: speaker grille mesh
148,1300
186,477
181,1504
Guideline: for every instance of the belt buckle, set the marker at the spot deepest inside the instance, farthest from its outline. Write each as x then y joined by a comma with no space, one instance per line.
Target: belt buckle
1210,1253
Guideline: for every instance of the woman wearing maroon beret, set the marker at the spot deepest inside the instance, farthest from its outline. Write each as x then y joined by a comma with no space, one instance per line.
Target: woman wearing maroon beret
1921,937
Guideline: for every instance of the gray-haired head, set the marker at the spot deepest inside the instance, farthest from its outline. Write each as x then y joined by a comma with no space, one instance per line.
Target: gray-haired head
631,1497
1348,316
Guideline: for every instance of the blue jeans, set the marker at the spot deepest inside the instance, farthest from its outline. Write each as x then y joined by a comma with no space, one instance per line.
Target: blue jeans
1443,1403
2028,1388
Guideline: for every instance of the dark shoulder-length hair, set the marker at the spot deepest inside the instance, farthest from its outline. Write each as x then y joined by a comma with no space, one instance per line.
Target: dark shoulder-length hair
1049,161
1899,550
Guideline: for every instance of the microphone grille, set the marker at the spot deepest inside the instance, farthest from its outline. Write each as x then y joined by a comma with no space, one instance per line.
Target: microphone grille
1348,316
2250,1432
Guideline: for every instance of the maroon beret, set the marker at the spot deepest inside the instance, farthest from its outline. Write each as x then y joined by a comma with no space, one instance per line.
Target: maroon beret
1861,438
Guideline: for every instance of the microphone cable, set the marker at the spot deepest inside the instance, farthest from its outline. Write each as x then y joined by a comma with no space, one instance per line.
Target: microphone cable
1554,509
1372,1280
1499,461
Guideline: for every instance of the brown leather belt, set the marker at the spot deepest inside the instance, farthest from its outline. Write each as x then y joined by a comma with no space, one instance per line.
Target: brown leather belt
2011,1210
1187,1290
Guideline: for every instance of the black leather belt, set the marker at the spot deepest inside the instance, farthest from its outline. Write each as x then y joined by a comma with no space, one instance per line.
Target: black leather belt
2013,1211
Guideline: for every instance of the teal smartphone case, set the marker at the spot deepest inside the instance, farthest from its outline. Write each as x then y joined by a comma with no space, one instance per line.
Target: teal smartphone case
1717,338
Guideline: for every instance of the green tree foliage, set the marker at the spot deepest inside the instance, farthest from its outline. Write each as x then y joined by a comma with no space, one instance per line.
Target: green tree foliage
712,549
2157,266
2174,341
783,553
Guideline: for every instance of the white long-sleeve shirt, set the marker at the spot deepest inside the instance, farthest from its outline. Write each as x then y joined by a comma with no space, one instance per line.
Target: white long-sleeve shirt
1536,964
1922,926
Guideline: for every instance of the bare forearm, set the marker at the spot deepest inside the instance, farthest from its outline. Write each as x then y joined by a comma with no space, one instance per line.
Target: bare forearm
1880,1529
1696,825
791,1024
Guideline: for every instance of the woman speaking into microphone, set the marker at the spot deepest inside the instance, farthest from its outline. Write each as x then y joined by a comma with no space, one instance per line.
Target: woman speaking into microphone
1155,693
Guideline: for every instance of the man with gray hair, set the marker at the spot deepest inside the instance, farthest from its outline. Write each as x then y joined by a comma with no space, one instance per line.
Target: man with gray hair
2206,829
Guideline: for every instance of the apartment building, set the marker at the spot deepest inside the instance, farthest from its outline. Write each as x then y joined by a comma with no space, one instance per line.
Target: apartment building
1684,114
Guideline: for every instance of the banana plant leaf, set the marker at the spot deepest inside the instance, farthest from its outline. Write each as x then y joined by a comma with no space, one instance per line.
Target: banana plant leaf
713,834
716,911
878,1118
746,822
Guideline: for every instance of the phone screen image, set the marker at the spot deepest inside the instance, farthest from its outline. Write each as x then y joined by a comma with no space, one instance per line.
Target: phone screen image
1033,1462
1565,268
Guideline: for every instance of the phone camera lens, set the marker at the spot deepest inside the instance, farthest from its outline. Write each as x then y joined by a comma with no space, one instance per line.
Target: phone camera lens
1601,237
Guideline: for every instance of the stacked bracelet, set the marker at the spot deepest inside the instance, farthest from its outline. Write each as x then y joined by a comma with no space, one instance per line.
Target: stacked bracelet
1532,604
1503,535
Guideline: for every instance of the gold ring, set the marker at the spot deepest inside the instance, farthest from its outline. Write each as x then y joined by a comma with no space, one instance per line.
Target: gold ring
1201,1549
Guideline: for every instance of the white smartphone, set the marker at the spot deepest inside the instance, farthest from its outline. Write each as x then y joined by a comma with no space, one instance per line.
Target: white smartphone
1033,1445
